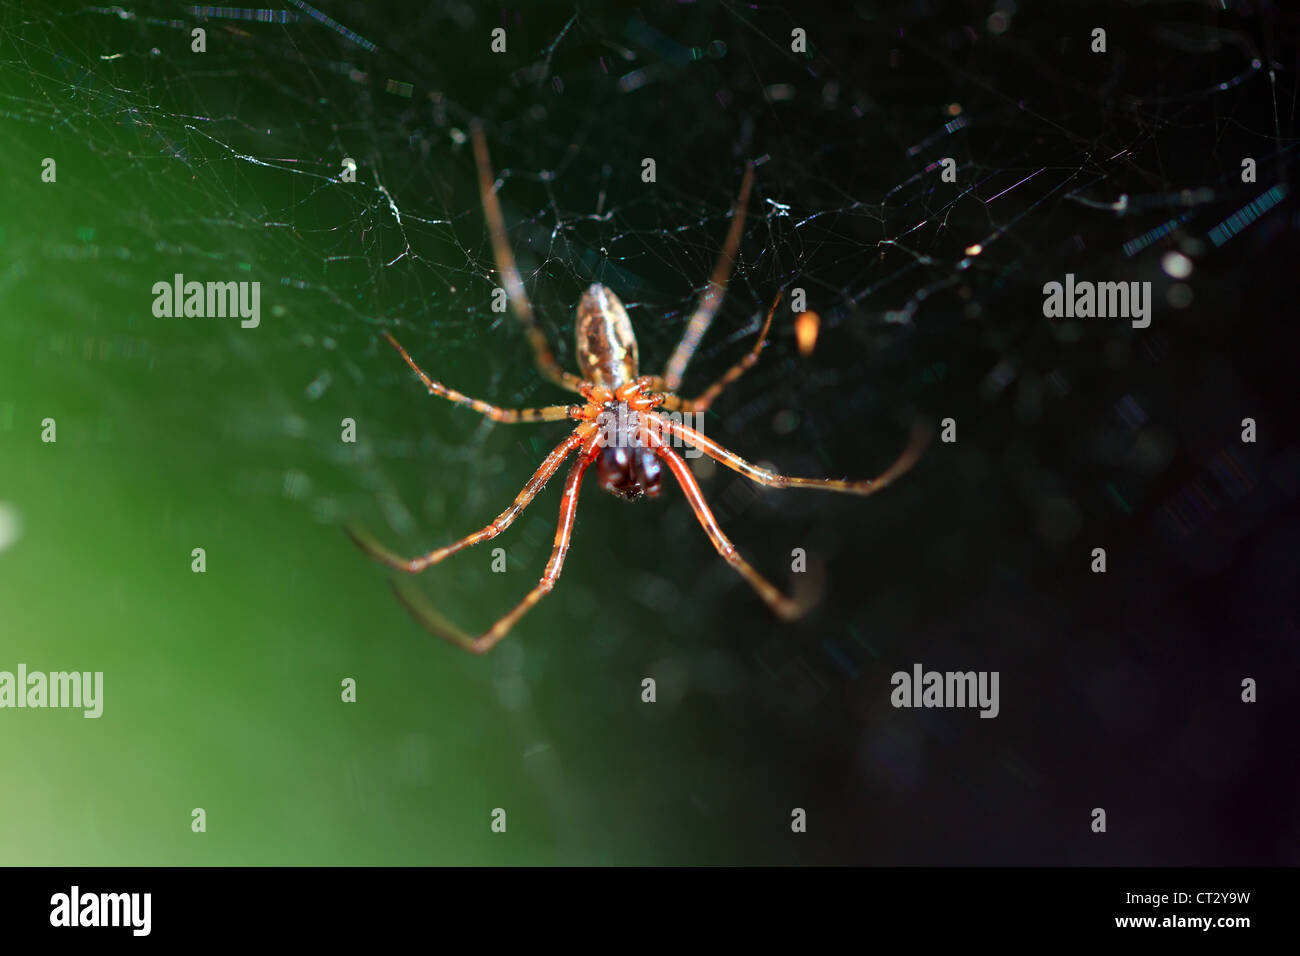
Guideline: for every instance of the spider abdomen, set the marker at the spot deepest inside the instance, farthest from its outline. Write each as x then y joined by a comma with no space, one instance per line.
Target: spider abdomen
607,353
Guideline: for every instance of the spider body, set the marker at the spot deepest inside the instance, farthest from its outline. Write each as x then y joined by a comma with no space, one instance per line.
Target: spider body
618,426
629,470
607,356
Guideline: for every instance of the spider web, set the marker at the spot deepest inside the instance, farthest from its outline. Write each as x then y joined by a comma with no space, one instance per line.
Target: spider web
929,292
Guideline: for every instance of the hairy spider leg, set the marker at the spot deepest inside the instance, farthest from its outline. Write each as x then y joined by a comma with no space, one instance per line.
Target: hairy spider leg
787,608
550,413
436,624
865,486
550,465
675,403
711,301
509,272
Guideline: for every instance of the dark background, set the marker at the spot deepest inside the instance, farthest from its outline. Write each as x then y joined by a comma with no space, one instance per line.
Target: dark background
1119,691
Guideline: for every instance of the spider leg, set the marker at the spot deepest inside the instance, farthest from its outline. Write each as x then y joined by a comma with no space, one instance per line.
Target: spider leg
434,622
865,486
787,608
509,272
675,403
550,465
712,298
550,413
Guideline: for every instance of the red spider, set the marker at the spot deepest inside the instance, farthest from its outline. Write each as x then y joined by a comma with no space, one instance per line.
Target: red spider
627,456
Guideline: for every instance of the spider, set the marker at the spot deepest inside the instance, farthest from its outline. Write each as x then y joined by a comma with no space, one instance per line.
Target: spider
630,456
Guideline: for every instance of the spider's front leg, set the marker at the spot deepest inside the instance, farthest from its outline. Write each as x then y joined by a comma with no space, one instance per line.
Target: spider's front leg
787,608
550,465
434,622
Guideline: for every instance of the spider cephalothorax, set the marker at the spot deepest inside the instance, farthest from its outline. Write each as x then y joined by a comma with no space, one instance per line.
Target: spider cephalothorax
629,473
619,425
628,465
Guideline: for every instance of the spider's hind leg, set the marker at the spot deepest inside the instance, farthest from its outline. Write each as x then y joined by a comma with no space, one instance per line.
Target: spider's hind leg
674,402
509,272
717,288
